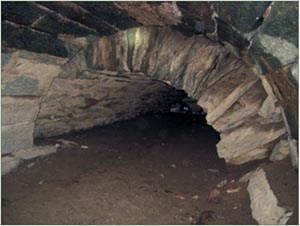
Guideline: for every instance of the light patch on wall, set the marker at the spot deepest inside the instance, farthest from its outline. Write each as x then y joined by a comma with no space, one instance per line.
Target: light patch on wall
283,50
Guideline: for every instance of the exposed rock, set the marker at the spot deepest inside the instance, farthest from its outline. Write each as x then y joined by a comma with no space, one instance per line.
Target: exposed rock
193,12
19,37
242,111
153,14
17,136
80,98
280,151
35,151
9,163
246,177
19,109
264,204
228,34
247,140
74,104
250,155
26,77
293,152
269,111
77,13
294,72
276,43
229,101
284,51
242,15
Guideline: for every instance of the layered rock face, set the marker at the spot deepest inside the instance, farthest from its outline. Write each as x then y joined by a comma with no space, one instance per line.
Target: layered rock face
41,97
237,102
26,78
95,98
259,34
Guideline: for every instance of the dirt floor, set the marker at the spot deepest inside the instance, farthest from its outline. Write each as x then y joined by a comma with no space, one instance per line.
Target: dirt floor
156,169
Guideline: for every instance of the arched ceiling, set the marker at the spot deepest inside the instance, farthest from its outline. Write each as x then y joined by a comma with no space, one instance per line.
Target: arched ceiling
263,35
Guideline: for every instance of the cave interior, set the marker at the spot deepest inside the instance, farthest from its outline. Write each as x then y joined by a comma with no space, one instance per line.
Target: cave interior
149,112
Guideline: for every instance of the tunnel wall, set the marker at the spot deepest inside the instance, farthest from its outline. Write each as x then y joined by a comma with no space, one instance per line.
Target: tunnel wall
239,104
263,34
40,97
94,99
104,81
26,78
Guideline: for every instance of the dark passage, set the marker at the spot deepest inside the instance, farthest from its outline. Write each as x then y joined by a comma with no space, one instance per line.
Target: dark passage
155,169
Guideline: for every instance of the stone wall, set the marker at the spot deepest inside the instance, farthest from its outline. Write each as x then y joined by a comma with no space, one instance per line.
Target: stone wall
97,98
264,34
239,104
114,78
26,78
41,97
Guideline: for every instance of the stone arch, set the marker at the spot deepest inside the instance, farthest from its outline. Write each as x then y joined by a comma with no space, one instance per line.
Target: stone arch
238,103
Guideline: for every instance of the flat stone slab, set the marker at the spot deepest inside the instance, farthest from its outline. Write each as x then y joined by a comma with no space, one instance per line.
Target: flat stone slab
27,77
264,204
246,139
36,151
8,163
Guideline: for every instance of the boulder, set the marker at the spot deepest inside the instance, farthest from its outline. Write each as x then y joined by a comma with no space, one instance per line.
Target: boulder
264,204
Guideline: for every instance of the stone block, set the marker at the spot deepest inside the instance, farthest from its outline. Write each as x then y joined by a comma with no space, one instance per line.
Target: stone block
16,137
247,140
9,163
19,109
27,77
264,204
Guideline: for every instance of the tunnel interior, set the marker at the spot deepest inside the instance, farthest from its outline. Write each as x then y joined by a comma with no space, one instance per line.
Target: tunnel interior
149,113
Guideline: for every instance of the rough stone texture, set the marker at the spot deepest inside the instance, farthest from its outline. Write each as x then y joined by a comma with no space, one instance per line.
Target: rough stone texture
17,136
229,101
18,109
280,151
245,18
193,12
27,77
264,34
36,151
269,111
245,139
8,164
152,14
15,36
264,204
230,93
97,99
